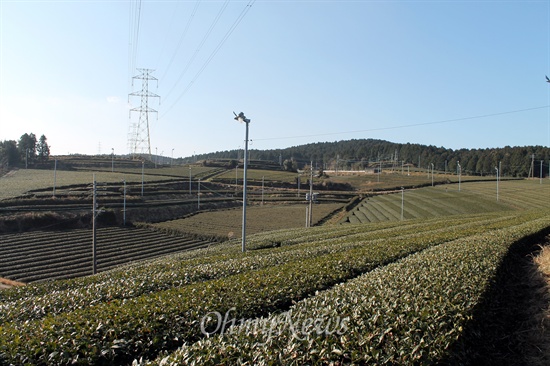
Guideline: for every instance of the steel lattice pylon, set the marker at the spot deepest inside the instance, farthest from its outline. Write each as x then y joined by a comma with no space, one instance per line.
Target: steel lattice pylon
139,140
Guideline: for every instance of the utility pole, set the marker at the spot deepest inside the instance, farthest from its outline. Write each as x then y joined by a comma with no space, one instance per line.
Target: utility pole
95,212
199,194
54,176
142,176
402,201
242,118
94,261
498,175
532,170
124,206
310,212
263,177
139,139
459,172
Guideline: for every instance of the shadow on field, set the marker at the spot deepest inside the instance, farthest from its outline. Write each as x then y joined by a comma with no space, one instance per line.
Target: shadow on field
501,330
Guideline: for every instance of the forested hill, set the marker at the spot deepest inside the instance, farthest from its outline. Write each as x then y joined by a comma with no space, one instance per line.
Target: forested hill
358,154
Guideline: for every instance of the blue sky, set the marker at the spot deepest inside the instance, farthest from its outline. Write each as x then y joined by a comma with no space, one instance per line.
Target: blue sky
458,74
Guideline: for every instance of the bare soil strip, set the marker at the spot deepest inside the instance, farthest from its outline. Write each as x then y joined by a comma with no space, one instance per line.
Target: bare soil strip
5,283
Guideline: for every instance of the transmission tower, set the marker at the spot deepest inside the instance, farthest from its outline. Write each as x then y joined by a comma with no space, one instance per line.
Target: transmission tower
139,140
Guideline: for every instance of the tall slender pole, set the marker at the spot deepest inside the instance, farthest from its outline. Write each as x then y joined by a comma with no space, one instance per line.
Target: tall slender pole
402,201
263,177
124,208
244,186
94,235
190,179
54,176
498,175
459,174
310,195
541,172
142,176
432,174
113,160
199,194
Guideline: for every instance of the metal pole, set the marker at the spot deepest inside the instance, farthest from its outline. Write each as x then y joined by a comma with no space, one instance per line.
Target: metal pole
124,209
244,186
402,202
199,194
113,160
94,213
459,174
310,194
54,176
189,179
432,174
142,178
498,174
541,172
263,177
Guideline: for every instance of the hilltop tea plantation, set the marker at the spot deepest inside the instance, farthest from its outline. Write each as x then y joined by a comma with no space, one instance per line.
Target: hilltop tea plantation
394,269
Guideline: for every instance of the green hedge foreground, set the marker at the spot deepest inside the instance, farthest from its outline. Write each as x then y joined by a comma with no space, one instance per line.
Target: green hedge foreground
408,312
35,302
117,325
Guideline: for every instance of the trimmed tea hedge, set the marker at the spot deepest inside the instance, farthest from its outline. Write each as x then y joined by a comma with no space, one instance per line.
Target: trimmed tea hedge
109,330
408,312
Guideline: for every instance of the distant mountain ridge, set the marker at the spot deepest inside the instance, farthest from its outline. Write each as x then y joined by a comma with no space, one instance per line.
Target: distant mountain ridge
521,161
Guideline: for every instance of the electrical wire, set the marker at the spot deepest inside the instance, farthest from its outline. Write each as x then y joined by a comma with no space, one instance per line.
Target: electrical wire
214,52
134,25
182,37
406,126
199,48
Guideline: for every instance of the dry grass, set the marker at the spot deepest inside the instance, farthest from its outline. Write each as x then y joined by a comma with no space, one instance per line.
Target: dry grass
539,336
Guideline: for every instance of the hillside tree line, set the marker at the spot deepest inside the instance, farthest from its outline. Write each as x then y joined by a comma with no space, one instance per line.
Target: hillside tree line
27,151
363,153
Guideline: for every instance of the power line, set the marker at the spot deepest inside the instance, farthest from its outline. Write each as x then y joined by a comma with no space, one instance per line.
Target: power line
201,44
182,37
214,52
134,23
407,126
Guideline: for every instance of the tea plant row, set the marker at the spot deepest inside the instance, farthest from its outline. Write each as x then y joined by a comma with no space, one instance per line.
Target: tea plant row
36,256
408,312
120,329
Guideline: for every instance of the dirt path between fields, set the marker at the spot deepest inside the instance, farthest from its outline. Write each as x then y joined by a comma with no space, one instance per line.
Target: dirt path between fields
5,283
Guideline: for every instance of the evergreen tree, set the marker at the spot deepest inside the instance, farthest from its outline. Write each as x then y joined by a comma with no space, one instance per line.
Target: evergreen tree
43,150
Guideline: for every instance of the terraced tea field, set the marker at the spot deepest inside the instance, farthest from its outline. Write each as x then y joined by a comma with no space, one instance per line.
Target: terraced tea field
37,255
445,200
19,182
226,224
